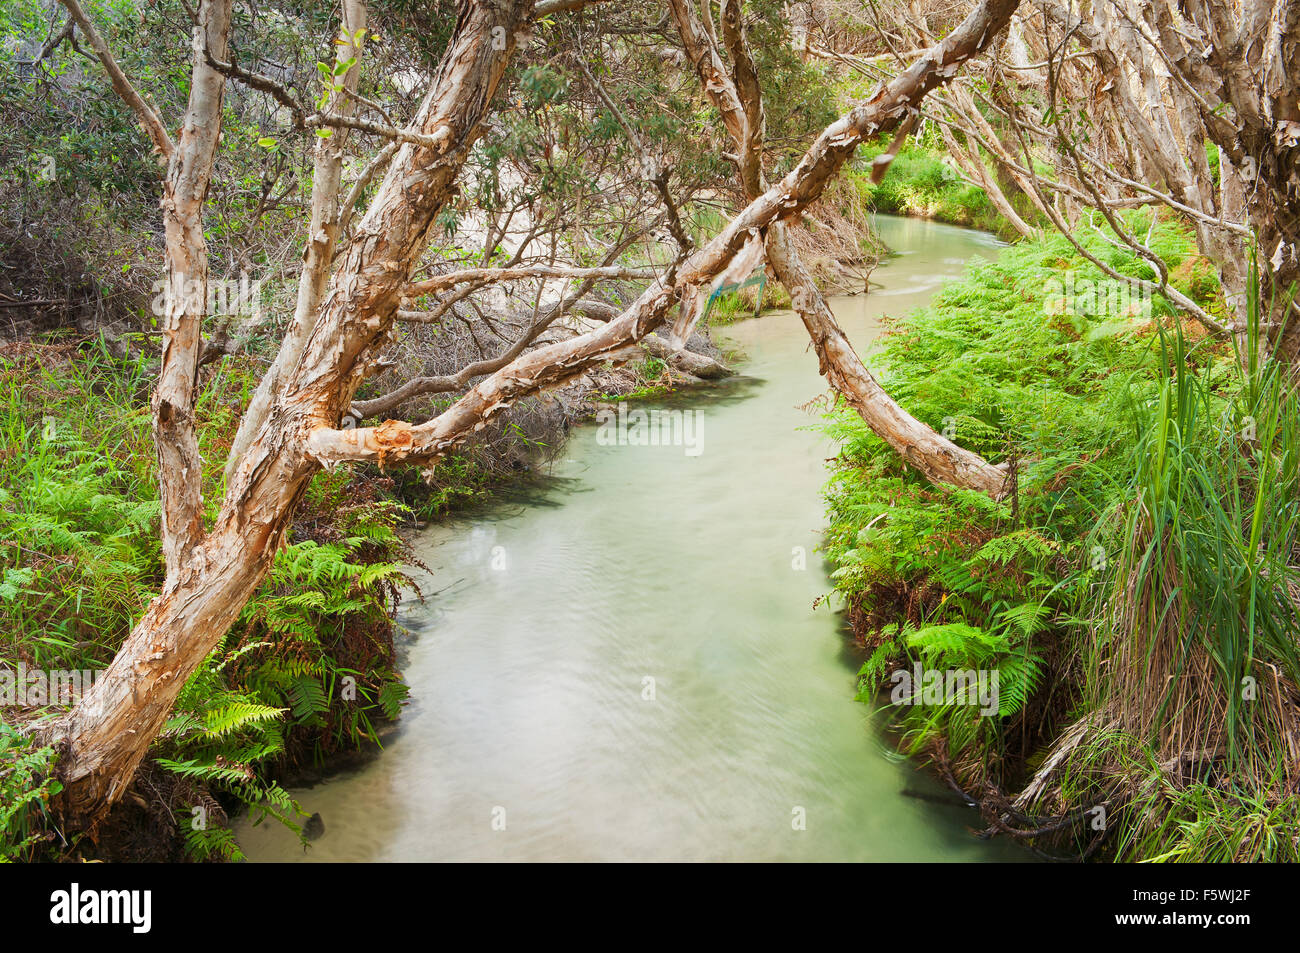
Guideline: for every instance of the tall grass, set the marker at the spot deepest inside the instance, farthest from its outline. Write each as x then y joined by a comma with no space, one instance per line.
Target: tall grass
1203,609
1198,663
1148,559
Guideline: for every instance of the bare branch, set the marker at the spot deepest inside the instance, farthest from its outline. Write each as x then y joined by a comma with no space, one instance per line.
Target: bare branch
148,117
50,45
650,166
373,168
438,283
931,453
421,386
396,441
546,7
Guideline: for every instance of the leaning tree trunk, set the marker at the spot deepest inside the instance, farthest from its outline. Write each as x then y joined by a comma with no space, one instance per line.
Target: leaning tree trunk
109,732
921,447
210,577
111,729
738,96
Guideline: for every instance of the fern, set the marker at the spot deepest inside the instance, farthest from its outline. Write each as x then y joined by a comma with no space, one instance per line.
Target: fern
955,644
1018,677
196,770
207,843
392,696
952,577
308,698
1028,618
25,787
230,718
80,561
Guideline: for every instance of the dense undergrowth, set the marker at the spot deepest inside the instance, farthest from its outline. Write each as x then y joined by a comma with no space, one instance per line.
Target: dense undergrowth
307,676
307,671
919,183
1131,593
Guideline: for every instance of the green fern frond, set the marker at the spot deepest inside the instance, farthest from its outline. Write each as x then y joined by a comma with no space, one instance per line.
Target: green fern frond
1018,678
222,721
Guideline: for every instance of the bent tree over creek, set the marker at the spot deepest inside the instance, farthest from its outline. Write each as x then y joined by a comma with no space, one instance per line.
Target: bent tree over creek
268,265
629,665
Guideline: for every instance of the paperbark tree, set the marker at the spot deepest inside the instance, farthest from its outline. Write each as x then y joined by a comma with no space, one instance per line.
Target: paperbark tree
1120,99
349,299
737,94
210,575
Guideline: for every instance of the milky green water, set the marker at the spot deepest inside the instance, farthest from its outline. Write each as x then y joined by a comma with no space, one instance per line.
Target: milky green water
631,667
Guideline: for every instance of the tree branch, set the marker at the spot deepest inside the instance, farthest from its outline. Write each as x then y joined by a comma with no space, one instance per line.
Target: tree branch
439,283
933,454
149,119
396,441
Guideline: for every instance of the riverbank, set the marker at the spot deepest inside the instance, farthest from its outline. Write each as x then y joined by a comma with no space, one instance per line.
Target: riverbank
78,540
604,680
1131,720
308,681
922,183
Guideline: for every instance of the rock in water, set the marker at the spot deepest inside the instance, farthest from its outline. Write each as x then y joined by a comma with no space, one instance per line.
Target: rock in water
314,827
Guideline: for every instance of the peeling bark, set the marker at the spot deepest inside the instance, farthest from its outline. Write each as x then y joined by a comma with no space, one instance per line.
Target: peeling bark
210,576
189,173
108,733
930,453
399,442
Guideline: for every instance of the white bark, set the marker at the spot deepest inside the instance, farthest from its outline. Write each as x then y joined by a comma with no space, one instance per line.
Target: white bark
739,99
211,575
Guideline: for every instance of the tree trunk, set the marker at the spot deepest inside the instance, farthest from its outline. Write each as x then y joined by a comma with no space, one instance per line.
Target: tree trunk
110,730
739,99
105,737
209,579
921,447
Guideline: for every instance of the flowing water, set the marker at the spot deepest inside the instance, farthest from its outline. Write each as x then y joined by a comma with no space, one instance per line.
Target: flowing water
630,667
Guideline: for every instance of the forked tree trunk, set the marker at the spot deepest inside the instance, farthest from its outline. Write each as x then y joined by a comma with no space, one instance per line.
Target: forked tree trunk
210,577
738,96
